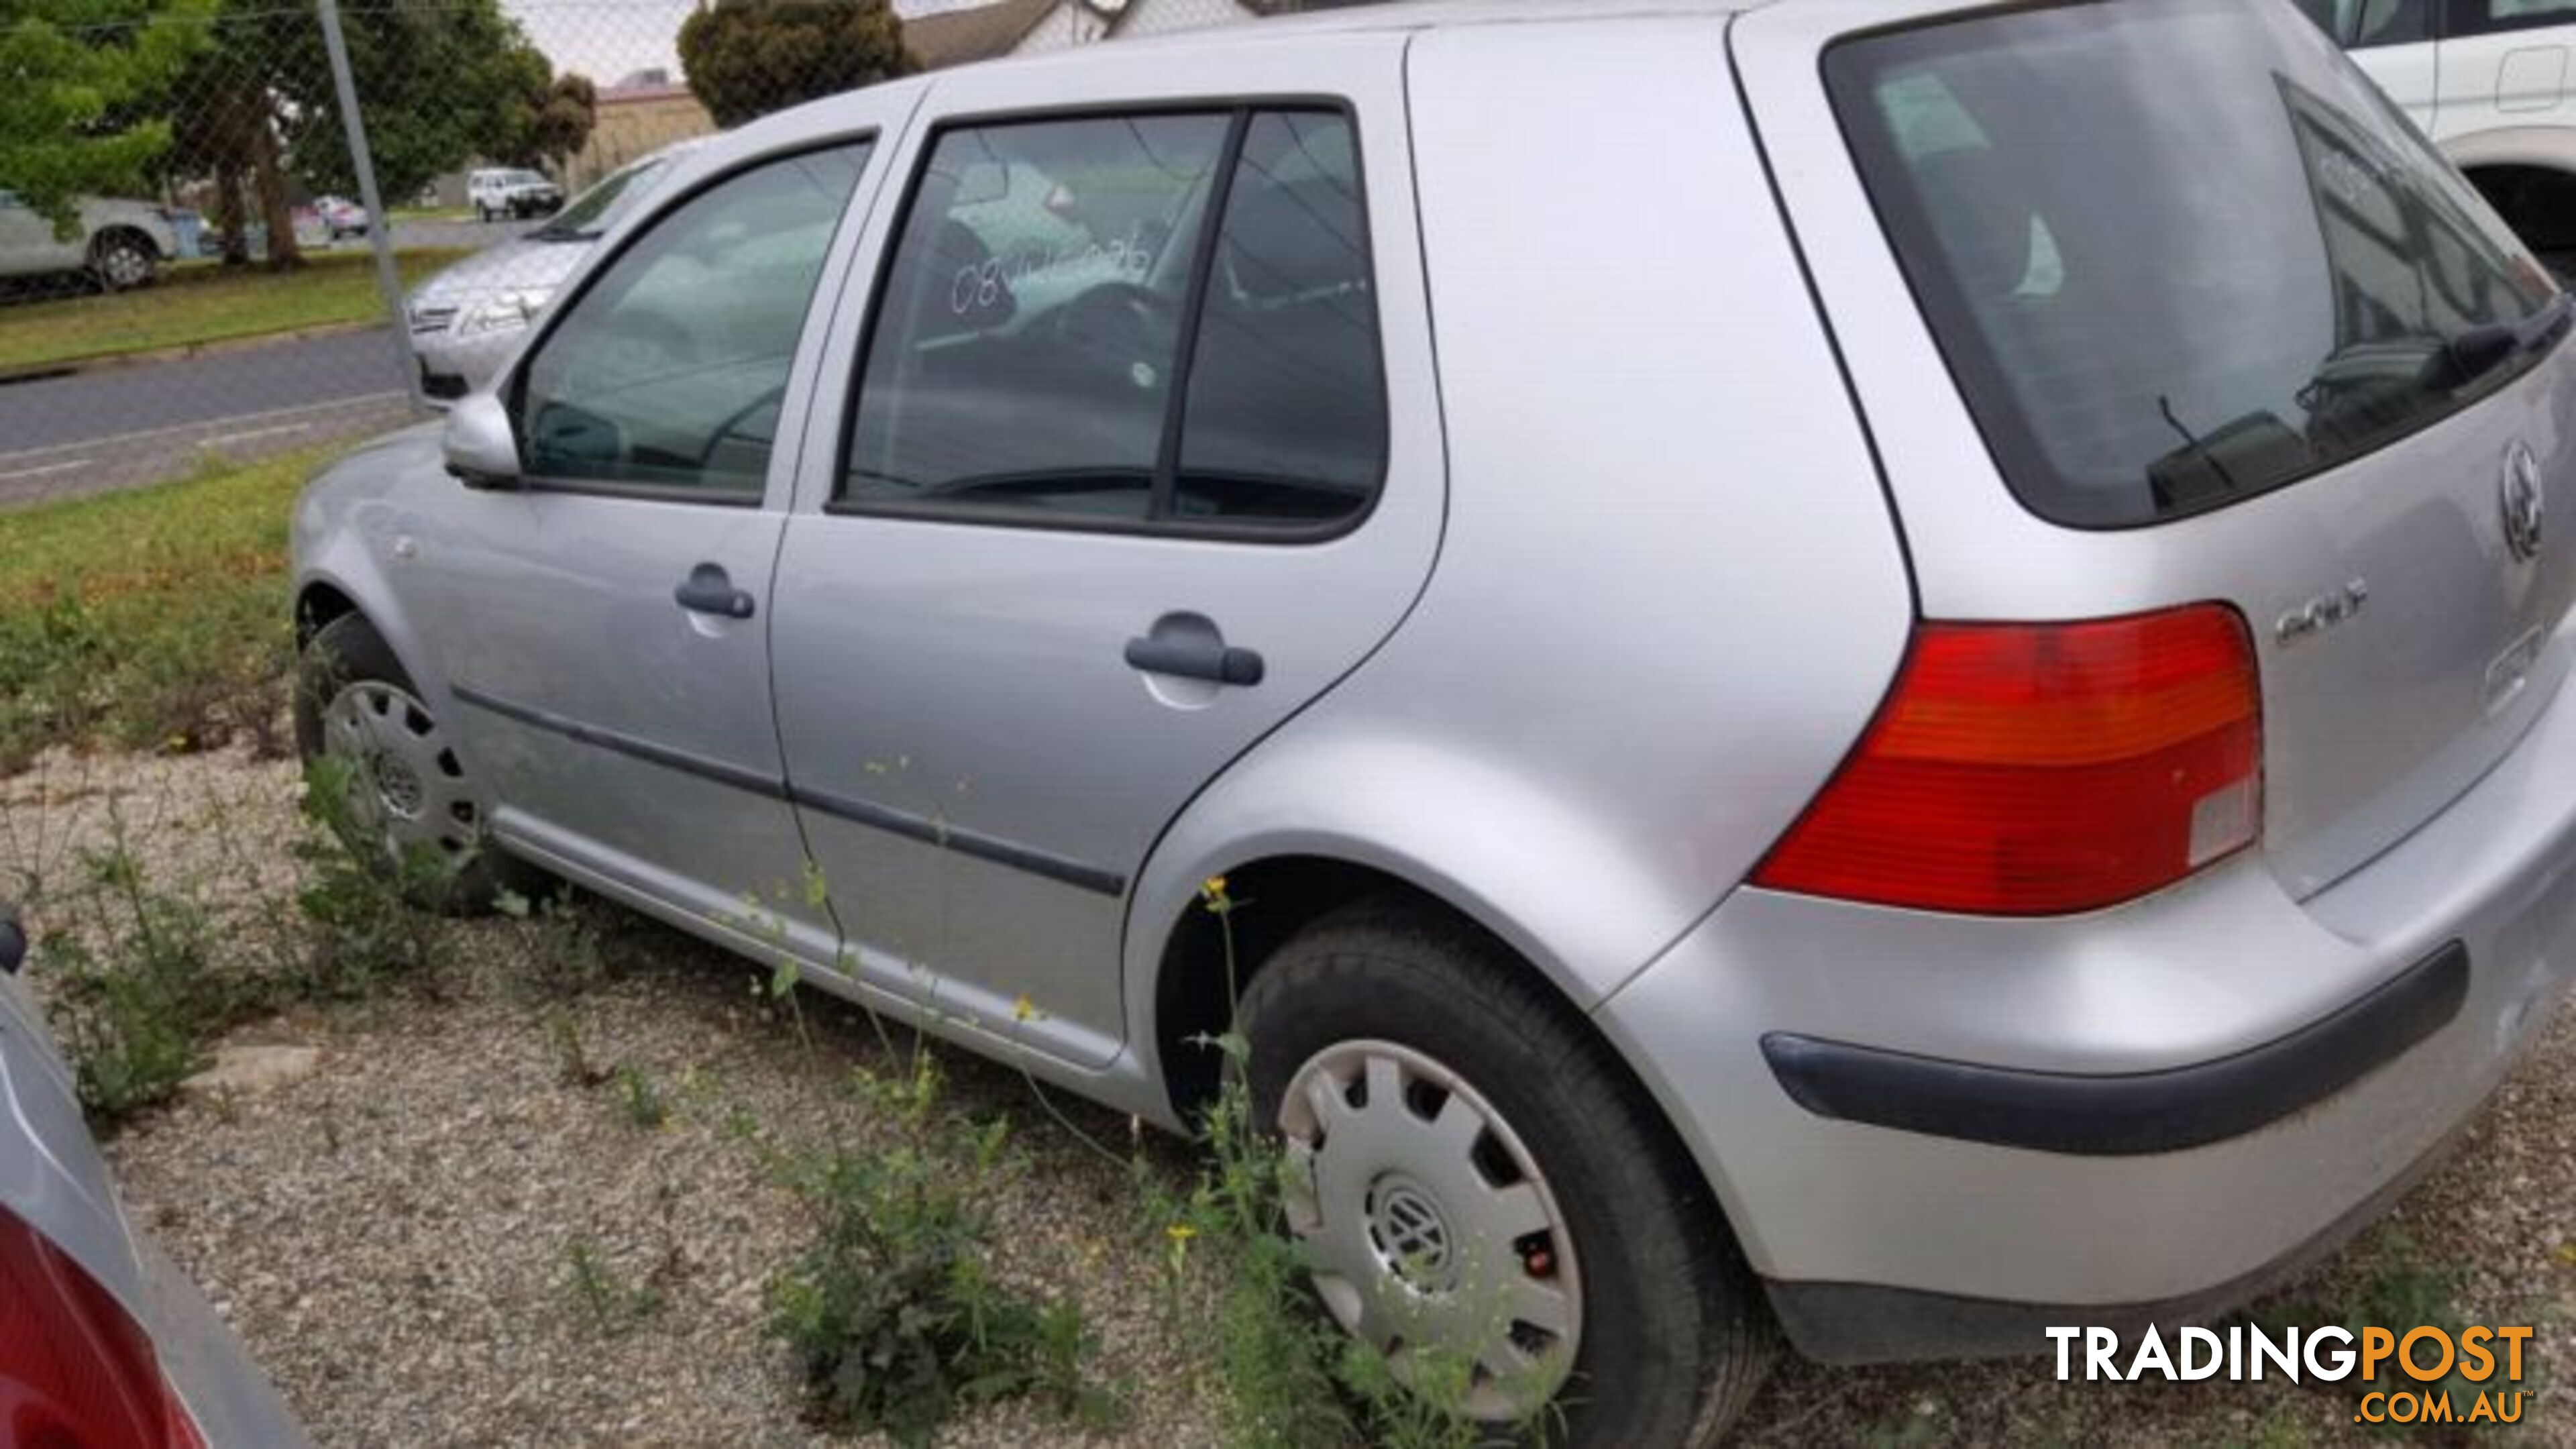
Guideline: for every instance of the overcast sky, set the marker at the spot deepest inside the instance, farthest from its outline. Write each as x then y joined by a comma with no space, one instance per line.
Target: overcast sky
608,39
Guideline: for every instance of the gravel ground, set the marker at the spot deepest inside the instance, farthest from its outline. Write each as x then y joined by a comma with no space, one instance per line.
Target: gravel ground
393,1235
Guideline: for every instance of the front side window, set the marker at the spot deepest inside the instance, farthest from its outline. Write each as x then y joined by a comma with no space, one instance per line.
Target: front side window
668,371
1060,338
2155,309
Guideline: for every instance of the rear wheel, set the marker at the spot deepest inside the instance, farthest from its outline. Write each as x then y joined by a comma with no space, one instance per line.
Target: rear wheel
409,795
122,261
1487,1196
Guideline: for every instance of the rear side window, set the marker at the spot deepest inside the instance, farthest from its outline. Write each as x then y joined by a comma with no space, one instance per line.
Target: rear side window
2154,309
1128,321
2479,17
2360,24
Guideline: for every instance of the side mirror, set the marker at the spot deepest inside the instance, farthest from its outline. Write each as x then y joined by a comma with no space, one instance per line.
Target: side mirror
481,453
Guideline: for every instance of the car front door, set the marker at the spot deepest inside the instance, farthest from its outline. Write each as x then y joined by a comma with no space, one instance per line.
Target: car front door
1139,456
606,619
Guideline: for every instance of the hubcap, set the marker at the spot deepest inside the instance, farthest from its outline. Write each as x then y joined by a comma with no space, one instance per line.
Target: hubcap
1432,1232
407,788
124,266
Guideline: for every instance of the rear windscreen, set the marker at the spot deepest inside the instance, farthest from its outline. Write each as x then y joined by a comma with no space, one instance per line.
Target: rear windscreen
2177,254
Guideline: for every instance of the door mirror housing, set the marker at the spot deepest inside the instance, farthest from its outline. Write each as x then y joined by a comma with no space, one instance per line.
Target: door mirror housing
481,450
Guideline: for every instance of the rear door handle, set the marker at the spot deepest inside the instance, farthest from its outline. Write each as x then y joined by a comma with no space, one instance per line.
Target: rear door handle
709,590
1195,657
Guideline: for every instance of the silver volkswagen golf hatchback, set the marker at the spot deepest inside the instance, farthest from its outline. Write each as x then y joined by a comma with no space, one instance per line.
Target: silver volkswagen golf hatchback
1869,673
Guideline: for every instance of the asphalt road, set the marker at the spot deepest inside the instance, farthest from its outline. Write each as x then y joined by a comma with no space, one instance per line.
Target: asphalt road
127,426
124,427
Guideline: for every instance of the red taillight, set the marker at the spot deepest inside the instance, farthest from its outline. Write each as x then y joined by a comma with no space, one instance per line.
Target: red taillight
2039,769
75,1371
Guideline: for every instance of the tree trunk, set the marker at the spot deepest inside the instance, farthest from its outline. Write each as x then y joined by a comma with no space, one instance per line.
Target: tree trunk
284,252
231,217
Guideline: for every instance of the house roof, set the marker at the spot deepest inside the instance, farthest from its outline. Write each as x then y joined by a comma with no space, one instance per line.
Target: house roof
954,37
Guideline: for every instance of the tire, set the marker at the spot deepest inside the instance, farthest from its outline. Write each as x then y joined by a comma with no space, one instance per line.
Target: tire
122,261
1670,1337
408,785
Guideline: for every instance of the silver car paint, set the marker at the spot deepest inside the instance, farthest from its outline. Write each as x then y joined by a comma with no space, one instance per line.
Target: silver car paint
2192,974
51,1176
2367,731
1594,720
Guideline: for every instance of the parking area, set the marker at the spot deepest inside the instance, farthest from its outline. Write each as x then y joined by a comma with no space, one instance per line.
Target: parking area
529,1199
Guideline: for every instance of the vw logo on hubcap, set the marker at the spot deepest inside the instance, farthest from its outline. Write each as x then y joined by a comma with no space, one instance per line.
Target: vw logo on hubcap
2523,502
1410,1233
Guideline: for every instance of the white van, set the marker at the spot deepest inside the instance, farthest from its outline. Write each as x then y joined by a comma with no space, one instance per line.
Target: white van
2490,82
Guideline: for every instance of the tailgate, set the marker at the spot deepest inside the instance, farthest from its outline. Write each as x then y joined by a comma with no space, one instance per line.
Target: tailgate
2159,304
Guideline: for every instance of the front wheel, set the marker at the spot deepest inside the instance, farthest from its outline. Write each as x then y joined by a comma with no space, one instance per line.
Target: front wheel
410,803
1487,1197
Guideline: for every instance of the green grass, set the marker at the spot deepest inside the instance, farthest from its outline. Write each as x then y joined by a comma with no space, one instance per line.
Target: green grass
203,302
156,618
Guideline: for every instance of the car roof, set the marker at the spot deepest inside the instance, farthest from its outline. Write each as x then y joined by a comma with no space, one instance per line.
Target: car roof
782,130
1406,15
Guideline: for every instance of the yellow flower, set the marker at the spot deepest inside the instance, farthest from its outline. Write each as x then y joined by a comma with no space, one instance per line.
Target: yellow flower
1180,1232
1023,1009
1215,885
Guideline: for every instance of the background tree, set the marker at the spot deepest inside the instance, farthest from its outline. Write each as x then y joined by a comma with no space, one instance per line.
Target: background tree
72,76
746,58
439,85
553,123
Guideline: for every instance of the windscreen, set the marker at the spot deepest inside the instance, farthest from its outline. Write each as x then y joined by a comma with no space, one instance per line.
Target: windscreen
595,210
2178,254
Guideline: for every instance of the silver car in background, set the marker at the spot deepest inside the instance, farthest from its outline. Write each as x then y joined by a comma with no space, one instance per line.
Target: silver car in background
466,320
1867,680
102,1341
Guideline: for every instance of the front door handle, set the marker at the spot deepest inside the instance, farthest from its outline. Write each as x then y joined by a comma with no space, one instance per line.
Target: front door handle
709,590
1195,657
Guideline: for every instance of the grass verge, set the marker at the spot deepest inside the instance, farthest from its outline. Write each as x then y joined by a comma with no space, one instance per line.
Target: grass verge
150,619
196,303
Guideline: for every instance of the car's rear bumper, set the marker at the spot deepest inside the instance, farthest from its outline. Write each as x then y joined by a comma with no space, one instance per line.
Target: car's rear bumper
1965,1127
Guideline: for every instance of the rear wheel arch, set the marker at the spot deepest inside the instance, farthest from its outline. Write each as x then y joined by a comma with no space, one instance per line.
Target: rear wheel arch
105,236
1281,896
2537,200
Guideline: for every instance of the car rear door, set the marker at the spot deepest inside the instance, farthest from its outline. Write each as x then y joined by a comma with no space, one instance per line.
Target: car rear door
1103,490
2113,370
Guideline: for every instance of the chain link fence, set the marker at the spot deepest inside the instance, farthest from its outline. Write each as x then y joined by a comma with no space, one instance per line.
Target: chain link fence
240,230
